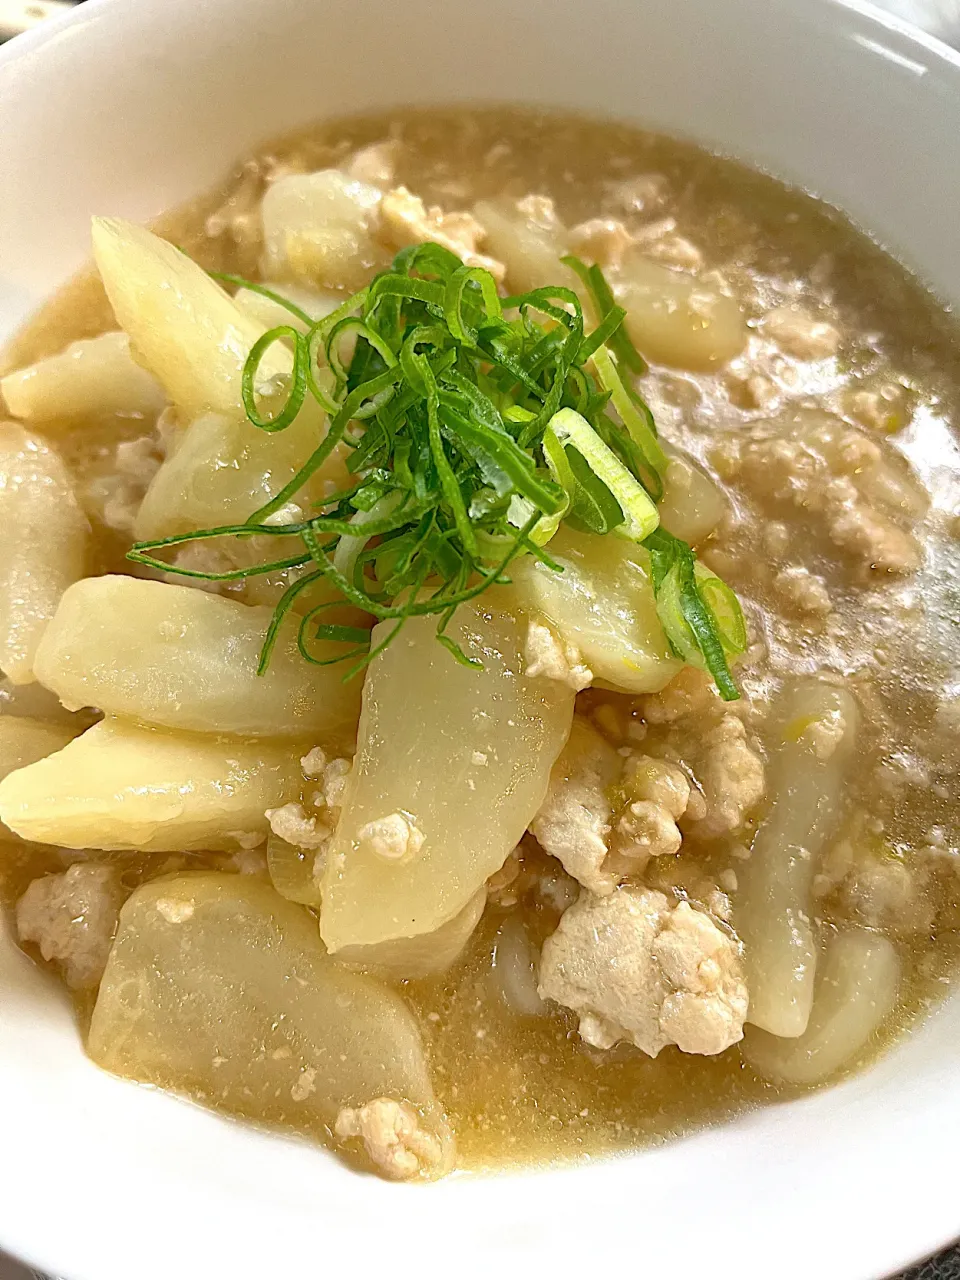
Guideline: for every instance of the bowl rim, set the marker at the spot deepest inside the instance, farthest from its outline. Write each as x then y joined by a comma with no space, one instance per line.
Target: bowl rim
885,18
36,37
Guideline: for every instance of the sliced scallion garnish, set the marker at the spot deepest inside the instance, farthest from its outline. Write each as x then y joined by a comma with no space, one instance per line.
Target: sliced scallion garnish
474,427
700,615
639,513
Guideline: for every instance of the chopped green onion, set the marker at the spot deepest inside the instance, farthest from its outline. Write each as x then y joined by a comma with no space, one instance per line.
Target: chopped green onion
470,438
638,423
725,607
685,600
298,387
640,515
603,300
349,548
594,508
264,292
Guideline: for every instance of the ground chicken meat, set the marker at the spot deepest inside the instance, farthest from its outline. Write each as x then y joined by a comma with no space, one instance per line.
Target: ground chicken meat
826,733
885,408
554,889
546,655
114,497
602,240
332,775
885,893
660,241
690,695
751,390
394,1138
292,823
731,777
406,220
608,812
202,558
856,487
801,335
73,918
335,781
638,966
877,889
802,592
608,240
248,862
540,210
575,818
375,165
644,193
647,827
691,725
394,837
874,540
313,764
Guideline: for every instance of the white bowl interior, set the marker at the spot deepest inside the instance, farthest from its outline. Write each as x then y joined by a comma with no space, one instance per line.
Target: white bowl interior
131,106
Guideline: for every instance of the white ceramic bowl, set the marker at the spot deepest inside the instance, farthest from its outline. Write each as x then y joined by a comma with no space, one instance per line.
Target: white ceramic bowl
129,106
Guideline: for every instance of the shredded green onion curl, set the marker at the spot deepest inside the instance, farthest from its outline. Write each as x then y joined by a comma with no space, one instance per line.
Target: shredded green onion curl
473,426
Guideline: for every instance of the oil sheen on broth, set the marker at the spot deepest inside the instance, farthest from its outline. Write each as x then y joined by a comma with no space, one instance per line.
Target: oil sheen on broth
844,398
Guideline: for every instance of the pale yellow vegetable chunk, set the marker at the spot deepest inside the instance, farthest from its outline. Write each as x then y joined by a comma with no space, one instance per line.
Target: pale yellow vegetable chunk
692,504
187,659
423,954
529,240
856,989
270,313
188,331
34,702
315,303
774,915
218,987
196,339
123,786
291,871
514,969
95,375
451,766
676,319
602,604
43,545
24,740
319,228
221,470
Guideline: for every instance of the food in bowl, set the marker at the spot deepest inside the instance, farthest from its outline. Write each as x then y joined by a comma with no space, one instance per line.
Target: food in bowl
477,620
